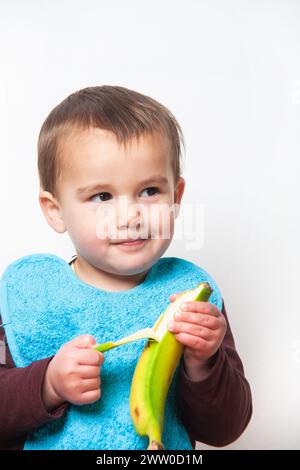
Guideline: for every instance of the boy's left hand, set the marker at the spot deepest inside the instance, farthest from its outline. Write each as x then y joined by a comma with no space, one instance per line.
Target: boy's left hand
201,329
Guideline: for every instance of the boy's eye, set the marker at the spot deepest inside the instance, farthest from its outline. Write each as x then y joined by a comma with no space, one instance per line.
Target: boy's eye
103,196
151,190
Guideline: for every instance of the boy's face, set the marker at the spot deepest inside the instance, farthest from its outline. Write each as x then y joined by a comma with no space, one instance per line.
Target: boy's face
120,205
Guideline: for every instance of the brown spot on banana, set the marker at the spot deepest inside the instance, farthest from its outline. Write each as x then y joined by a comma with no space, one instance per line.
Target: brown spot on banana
155,446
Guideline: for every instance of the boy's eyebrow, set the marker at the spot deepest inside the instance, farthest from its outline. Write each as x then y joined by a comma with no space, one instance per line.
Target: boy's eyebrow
154,179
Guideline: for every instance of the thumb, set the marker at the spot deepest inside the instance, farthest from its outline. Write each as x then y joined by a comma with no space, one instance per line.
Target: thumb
83,341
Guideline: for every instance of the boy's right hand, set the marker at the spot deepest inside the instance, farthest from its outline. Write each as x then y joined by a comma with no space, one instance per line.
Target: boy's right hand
73,375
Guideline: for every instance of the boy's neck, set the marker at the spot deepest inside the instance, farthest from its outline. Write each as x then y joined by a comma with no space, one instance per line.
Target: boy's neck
103,280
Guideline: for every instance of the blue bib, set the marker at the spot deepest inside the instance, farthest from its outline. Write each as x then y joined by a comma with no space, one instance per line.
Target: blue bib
44,304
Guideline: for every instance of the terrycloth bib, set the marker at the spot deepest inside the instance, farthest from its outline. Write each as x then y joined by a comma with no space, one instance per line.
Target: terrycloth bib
44,305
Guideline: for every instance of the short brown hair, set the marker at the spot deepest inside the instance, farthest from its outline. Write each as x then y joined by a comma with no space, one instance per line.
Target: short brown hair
125,112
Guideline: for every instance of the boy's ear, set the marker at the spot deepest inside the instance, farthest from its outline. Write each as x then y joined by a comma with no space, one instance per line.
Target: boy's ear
52,212
179,190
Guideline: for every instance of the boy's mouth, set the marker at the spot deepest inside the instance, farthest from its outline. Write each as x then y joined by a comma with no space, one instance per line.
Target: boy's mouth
126,240
131,242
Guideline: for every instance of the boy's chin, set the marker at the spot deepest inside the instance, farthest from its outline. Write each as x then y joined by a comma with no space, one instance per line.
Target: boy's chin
133,265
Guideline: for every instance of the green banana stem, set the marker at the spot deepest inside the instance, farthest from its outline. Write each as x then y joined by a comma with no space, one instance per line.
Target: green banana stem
205,293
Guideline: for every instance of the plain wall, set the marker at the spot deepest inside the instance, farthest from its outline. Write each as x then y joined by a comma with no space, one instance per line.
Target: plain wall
230,73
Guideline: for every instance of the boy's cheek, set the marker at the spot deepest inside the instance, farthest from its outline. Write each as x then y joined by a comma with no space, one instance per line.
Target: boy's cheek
162,221
85,237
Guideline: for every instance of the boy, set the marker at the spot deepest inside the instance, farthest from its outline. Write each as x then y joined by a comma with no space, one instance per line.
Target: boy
110,171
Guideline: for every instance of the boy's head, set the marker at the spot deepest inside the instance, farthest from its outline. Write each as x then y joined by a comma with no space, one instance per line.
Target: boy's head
100,152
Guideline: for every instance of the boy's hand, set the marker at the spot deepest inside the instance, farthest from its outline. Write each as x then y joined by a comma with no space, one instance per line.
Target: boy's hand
201,329
73,375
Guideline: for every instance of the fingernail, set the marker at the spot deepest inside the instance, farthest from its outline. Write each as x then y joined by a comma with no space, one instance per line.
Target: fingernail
171,326
184,306
177,315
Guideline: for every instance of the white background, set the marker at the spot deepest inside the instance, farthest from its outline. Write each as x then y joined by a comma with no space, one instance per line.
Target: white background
230,72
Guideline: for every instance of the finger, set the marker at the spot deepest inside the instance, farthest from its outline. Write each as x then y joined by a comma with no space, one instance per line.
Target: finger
88,385
101,358
200,307
89,357
208,321
89,372
174,296
84,341
194,342
91,396
190,328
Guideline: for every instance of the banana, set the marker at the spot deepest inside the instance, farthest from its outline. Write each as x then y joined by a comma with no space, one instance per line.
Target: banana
155,370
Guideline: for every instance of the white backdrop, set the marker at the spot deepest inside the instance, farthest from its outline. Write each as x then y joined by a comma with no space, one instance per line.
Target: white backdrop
230,72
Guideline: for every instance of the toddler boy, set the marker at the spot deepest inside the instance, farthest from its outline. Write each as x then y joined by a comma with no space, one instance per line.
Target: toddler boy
109,162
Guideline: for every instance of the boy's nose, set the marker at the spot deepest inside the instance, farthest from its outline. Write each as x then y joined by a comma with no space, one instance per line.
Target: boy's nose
133,222
128,214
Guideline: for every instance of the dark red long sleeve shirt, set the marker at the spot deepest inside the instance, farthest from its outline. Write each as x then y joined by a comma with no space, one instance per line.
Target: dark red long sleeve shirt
214,411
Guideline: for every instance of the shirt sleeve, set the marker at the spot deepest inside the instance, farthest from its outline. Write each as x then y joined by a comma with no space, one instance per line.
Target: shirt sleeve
21,406
216,410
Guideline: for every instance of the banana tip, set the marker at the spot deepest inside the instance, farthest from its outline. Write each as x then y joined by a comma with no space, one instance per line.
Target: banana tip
155,445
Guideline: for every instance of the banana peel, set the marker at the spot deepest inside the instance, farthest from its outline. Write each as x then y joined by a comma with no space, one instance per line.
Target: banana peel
146,333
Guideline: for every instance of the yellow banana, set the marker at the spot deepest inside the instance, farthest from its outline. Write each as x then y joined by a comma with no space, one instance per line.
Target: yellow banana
155,370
